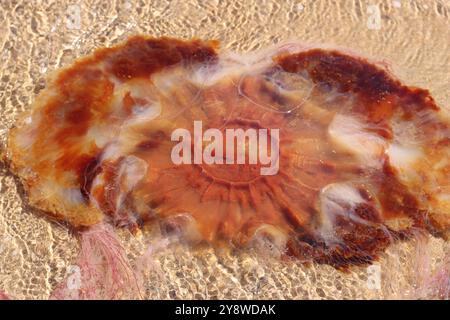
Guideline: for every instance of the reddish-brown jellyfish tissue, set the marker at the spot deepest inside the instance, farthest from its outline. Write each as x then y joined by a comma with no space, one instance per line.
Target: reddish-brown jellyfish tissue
337,158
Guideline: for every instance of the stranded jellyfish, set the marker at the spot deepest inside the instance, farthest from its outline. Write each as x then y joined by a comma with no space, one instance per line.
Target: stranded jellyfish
317,153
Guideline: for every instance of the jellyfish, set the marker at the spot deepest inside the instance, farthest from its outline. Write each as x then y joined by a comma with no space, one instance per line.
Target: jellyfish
311,153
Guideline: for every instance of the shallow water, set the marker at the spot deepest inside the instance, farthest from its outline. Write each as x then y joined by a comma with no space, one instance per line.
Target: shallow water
37,37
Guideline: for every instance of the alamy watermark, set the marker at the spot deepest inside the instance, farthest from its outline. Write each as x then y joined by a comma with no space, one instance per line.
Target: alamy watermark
250,146
73,21
374,19
374,277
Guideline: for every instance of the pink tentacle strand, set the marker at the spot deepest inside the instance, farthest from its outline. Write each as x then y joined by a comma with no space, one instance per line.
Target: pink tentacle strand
102,271
430,284
4,296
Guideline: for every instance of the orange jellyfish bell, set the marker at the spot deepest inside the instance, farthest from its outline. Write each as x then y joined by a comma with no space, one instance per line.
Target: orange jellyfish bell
321,153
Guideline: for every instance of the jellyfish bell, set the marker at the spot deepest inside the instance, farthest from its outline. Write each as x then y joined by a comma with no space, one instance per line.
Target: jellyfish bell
361,157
